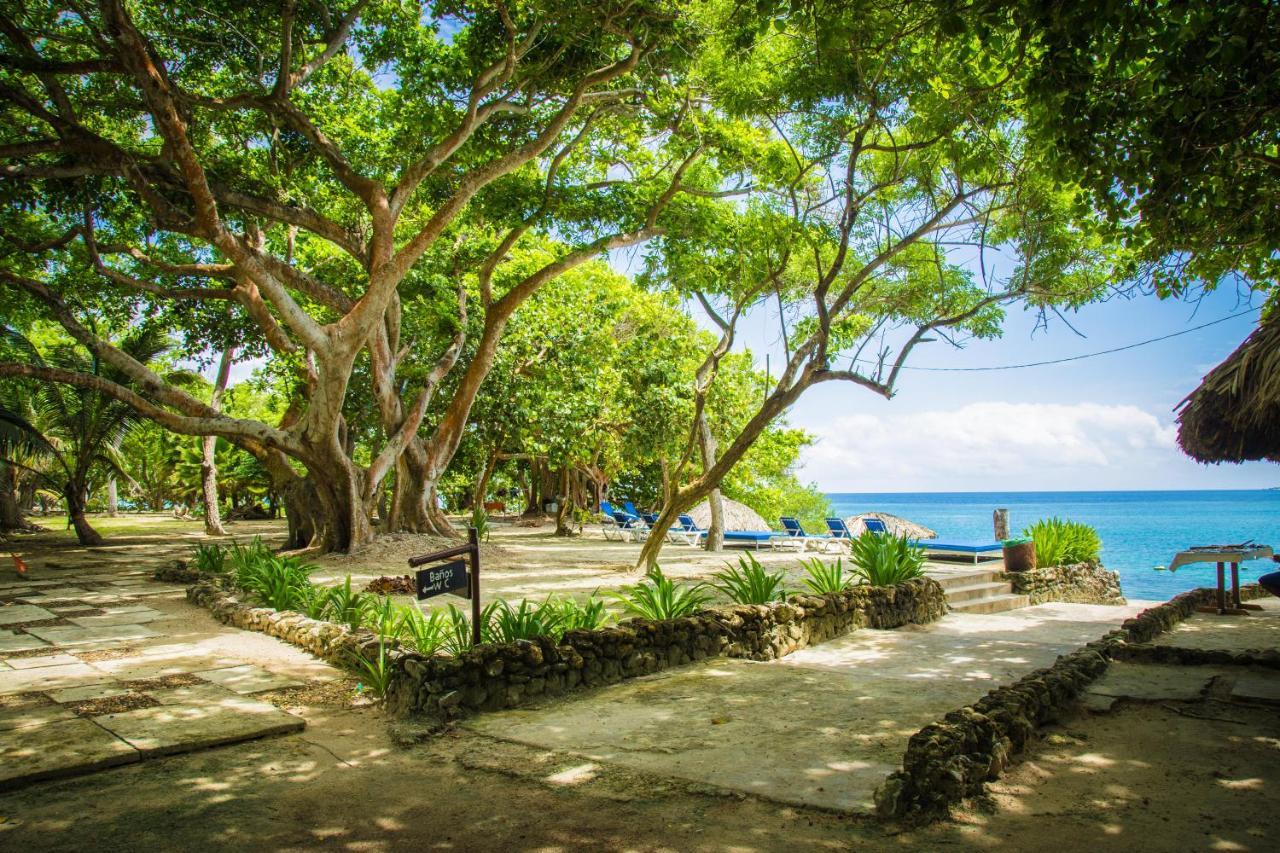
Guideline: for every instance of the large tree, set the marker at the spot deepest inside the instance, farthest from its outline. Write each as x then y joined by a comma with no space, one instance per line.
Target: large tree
307,167
892,202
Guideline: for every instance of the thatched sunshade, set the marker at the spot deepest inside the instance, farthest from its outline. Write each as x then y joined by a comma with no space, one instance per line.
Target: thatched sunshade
1234,416
736,516
897,526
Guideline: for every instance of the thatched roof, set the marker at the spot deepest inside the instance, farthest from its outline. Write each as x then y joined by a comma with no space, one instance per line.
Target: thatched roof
897,526
1234,415
736,516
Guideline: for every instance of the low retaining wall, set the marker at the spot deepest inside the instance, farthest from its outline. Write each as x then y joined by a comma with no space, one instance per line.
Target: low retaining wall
328,641
492,677
955,757
1079,583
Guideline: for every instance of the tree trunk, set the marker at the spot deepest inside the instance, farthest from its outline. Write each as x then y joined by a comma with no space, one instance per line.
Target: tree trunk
113,499
85,534
679,502
707,445
10,510
208,443
564,513
482,485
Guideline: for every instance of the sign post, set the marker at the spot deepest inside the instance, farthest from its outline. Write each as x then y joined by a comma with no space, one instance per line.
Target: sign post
453,577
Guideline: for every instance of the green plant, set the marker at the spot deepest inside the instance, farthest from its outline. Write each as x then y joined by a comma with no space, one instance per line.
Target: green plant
313,601
209,559
502,623
581,617
346,606
480,521
657,597
375,672
457,631
384,617
749,583
1060,542
883,560
279,582
246,561
825,578
425,633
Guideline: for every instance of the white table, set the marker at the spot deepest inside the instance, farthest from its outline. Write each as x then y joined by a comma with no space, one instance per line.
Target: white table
1223,554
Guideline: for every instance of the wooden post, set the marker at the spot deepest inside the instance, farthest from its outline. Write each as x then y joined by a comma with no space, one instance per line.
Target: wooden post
473,548
1000,520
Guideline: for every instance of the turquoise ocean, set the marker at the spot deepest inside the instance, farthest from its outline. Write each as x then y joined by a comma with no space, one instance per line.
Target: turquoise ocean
1139,530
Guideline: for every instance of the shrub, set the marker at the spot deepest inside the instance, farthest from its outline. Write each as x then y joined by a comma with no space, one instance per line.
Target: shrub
657,597
376,673
209,559
503,623
480,521
346,606
581,617
1060,542
279,582
424,633
384,617
749,583
825,578
883,560
457,631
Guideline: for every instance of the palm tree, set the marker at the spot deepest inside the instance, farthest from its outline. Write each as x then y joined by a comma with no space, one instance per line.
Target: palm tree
74,432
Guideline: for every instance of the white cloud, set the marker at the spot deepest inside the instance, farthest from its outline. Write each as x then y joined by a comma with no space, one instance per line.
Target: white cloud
992,445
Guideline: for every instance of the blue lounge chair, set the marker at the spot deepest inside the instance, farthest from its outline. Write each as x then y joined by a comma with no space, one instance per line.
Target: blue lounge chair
632,527
753,538
969,549
630,509
838,530
686,530
615,524
795,530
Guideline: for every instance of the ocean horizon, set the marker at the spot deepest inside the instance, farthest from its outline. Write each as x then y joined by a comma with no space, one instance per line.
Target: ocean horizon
1140,529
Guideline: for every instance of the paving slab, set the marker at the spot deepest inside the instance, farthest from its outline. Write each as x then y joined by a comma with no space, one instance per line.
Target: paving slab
1258,687
49,678
34,715
17,613
104,690
196,694
59,748
168,729
1152,682
247,679
114,619
72,635
43,661
12,642
1258,630
822,738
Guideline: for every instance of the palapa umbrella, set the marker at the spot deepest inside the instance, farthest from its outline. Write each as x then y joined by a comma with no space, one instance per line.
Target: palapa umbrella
736,516
897,526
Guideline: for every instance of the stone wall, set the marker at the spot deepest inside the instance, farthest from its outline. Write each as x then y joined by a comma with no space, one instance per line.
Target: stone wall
1080,583
492,676
954,757
328,641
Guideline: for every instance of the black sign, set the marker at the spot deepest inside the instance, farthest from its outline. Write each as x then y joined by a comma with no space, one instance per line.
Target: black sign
448,577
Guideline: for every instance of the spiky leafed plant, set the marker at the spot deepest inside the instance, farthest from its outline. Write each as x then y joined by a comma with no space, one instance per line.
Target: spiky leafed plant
75,432
749,583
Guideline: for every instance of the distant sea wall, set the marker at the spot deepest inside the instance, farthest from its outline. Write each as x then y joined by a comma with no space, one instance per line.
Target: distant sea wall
1081,583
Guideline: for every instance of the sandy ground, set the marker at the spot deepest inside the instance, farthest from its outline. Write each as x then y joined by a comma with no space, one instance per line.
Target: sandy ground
1197,772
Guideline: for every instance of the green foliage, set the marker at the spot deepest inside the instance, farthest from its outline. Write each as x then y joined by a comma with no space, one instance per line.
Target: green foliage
375,672
503,623
480,521
209,559
658,598
1060,542
574,616
245,559
278,582
424,633
749,582
348,607
457,631
884,560
826,578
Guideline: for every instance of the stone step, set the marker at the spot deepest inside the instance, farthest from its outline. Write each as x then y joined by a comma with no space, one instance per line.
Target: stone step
951,580
994,604
970,592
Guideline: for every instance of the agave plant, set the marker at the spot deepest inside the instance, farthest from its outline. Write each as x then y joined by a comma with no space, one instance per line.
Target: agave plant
825,578
457,631
884,560
280,583
581,617
506,624
749,583
657,597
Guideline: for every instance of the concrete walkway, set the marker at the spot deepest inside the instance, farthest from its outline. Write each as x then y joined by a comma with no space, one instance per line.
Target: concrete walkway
821,727
105,666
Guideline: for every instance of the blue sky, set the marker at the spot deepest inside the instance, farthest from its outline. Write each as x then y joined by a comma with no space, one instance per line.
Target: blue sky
1101,423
